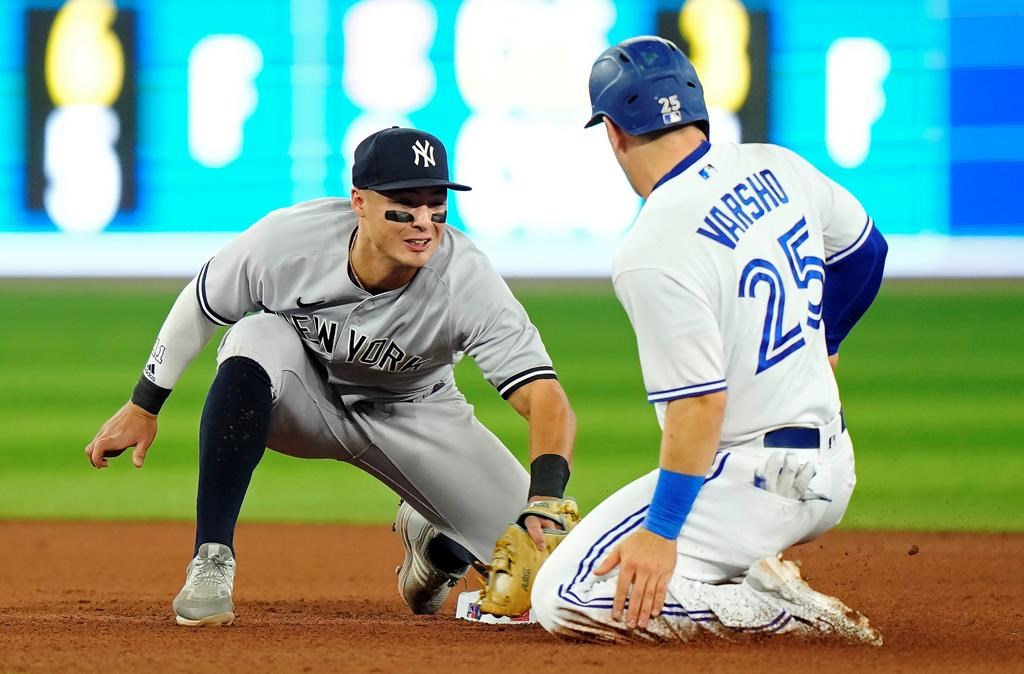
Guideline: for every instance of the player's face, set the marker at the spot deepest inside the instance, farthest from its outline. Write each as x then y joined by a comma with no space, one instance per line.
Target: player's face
404,226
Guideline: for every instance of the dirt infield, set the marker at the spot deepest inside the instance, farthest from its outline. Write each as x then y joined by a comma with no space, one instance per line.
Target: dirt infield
96,598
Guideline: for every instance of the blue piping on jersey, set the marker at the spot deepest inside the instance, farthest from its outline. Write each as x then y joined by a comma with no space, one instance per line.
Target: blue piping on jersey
586,566
669,395
721,466
853,247
688,161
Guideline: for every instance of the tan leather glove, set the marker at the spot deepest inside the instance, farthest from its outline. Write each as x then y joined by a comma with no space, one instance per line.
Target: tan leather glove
516,559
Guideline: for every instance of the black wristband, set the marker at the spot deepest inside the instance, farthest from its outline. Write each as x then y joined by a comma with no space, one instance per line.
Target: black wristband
549,474
149,396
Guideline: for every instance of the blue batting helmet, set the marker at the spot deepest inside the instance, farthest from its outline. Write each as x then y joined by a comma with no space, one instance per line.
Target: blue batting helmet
645,84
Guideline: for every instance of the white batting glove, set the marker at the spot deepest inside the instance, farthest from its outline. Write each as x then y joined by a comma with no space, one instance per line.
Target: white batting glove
784,474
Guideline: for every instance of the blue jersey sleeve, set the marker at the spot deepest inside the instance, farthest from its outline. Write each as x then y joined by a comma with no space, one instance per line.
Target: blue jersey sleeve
851,285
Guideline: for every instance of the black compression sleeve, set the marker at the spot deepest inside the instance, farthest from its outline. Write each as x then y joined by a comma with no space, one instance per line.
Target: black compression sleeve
149,396
549,474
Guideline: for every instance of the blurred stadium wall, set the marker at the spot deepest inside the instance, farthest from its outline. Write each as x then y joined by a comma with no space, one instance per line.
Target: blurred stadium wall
137,136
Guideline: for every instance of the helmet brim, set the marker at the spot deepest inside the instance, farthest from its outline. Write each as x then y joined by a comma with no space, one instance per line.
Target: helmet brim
595,120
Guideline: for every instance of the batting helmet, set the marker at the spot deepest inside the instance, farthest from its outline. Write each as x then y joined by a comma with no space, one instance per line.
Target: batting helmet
645,84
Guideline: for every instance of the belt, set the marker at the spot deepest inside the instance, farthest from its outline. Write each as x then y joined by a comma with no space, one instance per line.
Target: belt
797,437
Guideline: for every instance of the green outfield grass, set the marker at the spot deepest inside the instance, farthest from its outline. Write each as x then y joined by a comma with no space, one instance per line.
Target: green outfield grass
931,383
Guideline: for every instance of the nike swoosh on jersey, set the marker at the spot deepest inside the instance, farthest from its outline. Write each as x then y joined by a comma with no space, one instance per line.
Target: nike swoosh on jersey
306,305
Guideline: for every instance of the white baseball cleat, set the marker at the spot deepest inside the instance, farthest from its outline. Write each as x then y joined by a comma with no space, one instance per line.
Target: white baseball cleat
821,612
423,586
206,597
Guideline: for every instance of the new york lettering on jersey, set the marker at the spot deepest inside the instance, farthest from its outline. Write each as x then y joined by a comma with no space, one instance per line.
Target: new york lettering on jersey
384,353
322,332
380,353
390,345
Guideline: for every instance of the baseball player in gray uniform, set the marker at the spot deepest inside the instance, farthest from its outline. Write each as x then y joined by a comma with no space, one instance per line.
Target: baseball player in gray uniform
347,317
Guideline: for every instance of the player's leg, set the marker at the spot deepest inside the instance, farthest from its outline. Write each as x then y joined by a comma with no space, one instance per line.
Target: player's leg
736,521
232,437
432,563
733,526
569,600
446,464
460,486
836,476
266,393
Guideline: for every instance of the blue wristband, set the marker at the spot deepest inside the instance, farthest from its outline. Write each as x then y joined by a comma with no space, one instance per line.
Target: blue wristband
673,498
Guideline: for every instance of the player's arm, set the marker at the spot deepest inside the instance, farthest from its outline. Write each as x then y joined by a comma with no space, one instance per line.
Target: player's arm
545,407
855,253
851,285
544,522
682,359
647,558
219,295
492,327
183,335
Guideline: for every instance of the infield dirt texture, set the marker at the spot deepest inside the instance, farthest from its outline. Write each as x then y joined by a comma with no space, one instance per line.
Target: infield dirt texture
321,598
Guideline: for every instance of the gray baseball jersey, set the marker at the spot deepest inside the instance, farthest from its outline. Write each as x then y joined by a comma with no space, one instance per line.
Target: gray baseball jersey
367,379
391,346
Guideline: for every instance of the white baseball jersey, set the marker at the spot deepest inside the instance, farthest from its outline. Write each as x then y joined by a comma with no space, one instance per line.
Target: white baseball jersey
722,277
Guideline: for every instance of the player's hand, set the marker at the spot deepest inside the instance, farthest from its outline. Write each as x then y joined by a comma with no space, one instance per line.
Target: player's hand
833,360
535,525
646,561
131,426
517,557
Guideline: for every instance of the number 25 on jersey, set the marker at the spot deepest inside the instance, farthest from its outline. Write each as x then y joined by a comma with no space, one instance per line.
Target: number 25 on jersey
777,341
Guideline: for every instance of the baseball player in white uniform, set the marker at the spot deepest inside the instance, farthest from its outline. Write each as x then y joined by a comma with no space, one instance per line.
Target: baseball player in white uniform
745,269
347,317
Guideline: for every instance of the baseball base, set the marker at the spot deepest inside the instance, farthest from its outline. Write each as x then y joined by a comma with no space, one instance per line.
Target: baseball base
468,608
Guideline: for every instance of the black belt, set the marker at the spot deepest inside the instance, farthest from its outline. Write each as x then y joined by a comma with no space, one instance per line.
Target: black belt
796,437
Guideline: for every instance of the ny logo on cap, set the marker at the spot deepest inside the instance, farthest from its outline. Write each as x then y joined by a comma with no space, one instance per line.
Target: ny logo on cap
426,150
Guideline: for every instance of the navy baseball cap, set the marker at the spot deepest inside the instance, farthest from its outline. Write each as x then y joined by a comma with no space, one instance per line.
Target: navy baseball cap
397,158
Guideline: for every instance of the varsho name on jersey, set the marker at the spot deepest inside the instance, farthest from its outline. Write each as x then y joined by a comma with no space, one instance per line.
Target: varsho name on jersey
748,201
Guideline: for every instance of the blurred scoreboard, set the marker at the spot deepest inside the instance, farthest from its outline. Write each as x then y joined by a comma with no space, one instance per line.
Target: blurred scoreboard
80,124
141,135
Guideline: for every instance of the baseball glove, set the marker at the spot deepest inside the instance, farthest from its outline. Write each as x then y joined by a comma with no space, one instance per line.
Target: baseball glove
516,558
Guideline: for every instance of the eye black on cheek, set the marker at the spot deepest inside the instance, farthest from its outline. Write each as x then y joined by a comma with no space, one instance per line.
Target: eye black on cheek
439,217
399,216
